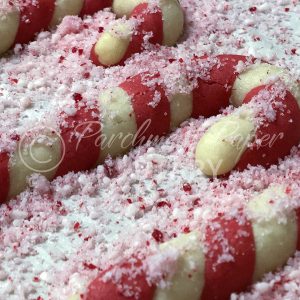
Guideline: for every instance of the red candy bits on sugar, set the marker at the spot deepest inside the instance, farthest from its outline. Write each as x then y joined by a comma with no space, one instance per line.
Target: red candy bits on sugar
158,235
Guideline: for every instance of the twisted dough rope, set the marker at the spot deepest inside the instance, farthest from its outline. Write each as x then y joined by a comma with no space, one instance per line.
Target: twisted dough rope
140,109
236,140
161,20
158,22
20,21
258,241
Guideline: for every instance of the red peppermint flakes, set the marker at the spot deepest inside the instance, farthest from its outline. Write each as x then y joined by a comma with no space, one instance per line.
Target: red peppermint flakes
158,235
187,187
76,226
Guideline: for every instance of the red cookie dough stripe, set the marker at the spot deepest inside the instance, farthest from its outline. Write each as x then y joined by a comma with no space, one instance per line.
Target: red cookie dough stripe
94,57
278,136
4,177
127,288
224,278
150,105
92,6
81,140
151,23
214,93
34,17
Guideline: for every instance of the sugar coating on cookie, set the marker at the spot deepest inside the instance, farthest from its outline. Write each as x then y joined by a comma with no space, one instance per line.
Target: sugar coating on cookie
215,85
278,130
103,287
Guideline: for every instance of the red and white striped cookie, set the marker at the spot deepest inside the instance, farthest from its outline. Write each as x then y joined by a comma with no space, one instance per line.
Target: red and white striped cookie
172,15
260,133
254,243
52,153
129,115
21,21
77,8
158,23
136,111
139,110
38,151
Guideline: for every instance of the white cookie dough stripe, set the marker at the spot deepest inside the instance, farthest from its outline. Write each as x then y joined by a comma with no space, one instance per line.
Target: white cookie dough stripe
275,238
119,126
222,146
66,8
188,280
124,8
181,107
173,21
112,45
9,24
39,153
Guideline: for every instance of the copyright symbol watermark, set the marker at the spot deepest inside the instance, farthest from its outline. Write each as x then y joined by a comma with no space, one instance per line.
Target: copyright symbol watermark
41,150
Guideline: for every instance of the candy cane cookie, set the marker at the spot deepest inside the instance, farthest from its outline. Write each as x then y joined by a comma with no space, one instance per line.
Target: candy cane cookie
234,253
122,117
158,22
140,109
20,21
253,135
52,152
